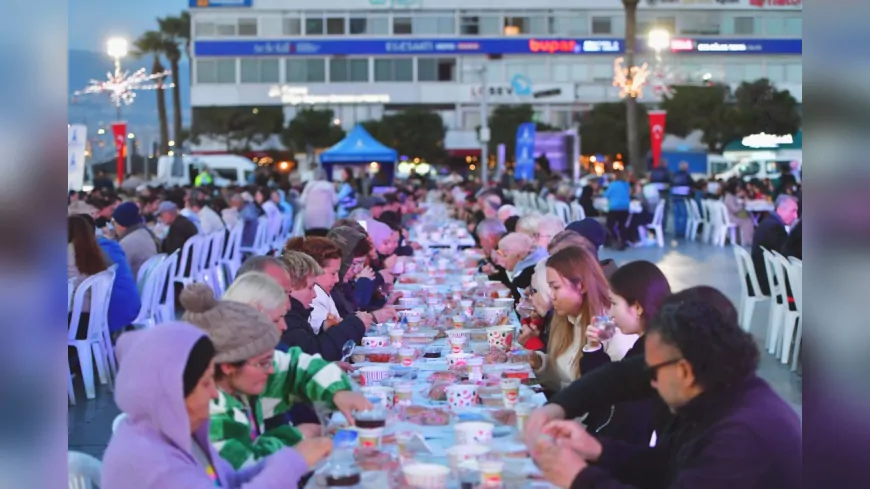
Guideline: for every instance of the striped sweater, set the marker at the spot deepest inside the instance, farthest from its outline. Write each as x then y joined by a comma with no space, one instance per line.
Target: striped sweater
297,375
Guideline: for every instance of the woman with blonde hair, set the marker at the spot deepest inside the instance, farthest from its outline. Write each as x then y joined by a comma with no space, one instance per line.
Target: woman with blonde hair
579,293
517,253
262,292
529,224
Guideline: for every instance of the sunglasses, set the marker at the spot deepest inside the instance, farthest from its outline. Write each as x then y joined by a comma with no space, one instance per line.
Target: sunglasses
652,371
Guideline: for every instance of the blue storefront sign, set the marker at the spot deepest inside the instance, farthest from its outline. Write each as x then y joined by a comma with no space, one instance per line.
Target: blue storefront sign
387,46
525,152
220,3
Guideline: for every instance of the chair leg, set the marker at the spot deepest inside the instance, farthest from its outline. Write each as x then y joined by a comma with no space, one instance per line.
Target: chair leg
776,321
748,312
70,392
797,344
788,331
660,236
100,359
86,364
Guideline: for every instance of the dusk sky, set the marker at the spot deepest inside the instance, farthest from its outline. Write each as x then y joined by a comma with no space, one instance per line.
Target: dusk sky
91,22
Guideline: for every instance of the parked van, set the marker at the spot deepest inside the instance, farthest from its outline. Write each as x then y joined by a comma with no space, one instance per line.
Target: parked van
761,169
226,169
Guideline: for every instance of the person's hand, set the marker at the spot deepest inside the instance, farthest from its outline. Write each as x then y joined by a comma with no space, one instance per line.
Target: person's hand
592,339
559,463
535,361
387,276
488,269
331,321
348,401
366,318
390,262
366,272
348,368
310,430
313,450
540,417
416,246
394,297
528,332
388,313
571,434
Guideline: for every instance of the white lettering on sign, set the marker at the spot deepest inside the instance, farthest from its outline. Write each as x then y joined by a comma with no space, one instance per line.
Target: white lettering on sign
763,140
409,46
721,47
682,45
600,47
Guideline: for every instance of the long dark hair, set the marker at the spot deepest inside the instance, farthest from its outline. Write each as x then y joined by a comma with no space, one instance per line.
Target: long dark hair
89,256
643,283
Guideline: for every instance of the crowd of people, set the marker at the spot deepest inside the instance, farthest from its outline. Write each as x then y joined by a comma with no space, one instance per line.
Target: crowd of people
232,393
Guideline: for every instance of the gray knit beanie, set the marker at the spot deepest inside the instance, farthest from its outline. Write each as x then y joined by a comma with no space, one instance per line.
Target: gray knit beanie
346,238
238,331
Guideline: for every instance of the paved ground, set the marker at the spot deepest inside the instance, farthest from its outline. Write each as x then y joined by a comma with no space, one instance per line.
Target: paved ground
686,265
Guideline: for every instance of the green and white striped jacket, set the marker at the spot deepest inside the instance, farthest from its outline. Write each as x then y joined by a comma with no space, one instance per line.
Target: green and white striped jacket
297,376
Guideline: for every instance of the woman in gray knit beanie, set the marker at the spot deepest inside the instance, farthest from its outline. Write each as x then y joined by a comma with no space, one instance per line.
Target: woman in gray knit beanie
257,382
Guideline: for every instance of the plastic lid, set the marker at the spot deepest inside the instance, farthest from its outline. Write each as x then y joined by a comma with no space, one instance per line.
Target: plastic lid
345,439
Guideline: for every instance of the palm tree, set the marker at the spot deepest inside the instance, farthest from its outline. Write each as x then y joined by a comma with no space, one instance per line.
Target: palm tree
176,30
634,157
153,43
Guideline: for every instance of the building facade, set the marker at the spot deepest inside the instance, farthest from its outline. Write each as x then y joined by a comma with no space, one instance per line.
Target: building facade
365,58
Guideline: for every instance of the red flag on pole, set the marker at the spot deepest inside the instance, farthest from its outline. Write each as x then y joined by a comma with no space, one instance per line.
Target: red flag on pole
119,132
657,133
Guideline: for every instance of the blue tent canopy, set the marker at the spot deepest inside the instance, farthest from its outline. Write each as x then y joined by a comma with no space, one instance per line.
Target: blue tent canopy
358,147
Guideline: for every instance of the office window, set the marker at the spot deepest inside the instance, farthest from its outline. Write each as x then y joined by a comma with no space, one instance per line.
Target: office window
205,29
292,26
753,71
602,72
535,70
602,25
734,73
570,24
358,25
479,25
776,72
402,25
794,27
436,69
794,73
470,119
433,25
247,27
226,30
348,70
216,71
568,70
313,26
744,26
335,26
305,70
526,25
259,71
394,70
703,24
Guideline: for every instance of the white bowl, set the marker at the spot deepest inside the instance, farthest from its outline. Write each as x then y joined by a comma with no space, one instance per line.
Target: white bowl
426,476
473,432
460,454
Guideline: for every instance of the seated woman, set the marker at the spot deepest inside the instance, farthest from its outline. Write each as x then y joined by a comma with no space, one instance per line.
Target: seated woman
84,258
579,293
165,385
736,204
637,291
536,330
256,382
517,253
357,281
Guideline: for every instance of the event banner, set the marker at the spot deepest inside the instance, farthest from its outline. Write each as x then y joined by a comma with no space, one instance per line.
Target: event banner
77,142
657,134
119,133
525,152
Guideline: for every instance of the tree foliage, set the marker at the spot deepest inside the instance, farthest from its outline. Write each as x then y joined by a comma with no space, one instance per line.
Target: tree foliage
312,127
603,129
415,133
760,107
237,127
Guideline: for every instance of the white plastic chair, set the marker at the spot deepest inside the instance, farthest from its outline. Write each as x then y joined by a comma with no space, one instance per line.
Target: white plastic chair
791,319
797,289
260,246
150,292
232,258
94,348
285,226
778,310
70,392
191,254
83,470
748,301
706,221
562,211
577,212
656,224
146,269
212,255
165,289
724,227
695,220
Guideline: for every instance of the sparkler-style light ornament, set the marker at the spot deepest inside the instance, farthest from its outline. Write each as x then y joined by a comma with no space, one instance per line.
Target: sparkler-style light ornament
629,80
121,86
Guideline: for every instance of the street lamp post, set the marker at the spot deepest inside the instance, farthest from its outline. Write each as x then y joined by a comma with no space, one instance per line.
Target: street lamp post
484,126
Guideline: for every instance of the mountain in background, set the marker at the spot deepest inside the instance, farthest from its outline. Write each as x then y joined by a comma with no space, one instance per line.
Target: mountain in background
96,111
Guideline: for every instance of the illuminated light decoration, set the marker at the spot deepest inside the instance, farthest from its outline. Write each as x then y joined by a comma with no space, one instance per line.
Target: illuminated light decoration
630,81
300,96
121,86
764,140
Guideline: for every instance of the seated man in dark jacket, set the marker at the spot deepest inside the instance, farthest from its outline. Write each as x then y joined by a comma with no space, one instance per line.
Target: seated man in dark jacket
771,234
180,228
729,428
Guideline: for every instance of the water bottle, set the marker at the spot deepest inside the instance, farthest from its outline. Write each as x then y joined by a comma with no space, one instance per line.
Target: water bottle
341,469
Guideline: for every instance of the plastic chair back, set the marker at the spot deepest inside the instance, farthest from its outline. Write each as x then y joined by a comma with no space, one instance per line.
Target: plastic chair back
577,211
100,288
83,470
146,269
659,214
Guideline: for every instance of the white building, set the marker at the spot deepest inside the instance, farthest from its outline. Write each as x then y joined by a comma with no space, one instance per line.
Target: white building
362,58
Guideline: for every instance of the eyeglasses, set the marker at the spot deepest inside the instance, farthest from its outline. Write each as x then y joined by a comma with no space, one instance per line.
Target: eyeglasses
653,370
263,365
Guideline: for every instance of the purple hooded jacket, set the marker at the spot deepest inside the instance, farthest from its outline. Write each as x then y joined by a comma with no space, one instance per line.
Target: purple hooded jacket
151,448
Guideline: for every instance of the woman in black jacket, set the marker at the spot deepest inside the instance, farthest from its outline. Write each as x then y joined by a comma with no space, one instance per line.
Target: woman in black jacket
637,290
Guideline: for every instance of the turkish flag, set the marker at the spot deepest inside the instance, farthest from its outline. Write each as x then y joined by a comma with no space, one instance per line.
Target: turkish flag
119,132
657,134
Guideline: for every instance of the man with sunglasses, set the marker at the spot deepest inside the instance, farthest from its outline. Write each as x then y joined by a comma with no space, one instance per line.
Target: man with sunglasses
729,429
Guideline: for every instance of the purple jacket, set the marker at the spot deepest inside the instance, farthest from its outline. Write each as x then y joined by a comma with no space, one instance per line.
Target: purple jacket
151,448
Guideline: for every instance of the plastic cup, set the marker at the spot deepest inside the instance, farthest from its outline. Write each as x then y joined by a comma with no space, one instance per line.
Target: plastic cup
465,455
376,341
370,437
523,411
503,293
404,393
457,360
456,344
461,396
406,356
475,369
396,337
426,476
373,374
471,432
491,473
510,390
500,337
458,321
386,395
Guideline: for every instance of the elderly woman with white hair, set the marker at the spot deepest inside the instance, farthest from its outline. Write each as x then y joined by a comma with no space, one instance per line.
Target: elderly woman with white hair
541,228
535,329
507,211
517,253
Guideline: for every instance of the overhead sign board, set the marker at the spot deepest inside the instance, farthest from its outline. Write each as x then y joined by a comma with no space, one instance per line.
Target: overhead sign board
220,3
